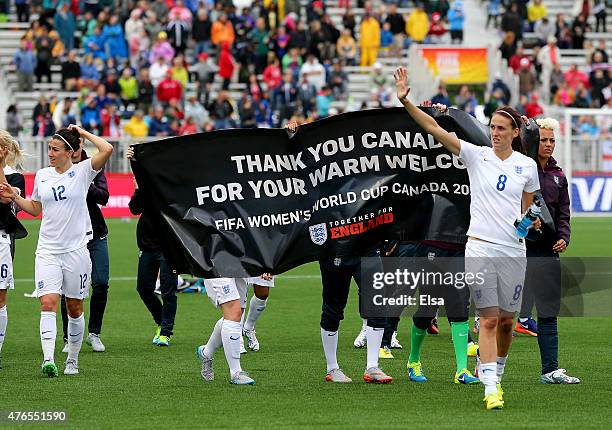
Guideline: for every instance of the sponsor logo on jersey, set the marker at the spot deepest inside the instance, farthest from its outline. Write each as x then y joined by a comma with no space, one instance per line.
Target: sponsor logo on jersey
318,233
361,226
518,169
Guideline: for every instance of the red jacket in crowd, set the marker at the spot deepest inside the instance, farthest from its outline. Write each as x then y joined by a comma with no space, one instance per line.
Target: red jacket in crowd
169,89
226,62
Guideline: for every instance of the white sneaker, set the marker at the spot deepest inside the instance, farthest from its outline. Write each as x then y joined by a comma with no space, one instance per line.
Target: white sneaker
65,348
207,366
72,368
252,341
242,378
242,348
558,377
360,340
94,341
394,342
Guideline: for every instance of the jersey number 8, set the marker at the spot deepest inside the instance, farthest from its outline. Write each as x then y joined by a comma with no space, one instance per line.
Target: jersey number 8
501,182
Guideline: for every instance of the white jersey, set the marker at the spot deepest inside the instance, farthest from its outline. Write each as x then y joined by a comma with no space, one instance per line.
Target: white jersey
496,189
65,219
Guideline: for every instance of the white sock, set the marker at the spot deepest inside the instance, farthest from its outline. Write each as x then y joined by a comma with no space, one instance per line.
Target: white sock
374,338
76,327
230,334
364,323
256,307
501,365
488,377
214,341
48,332
3,323
330,346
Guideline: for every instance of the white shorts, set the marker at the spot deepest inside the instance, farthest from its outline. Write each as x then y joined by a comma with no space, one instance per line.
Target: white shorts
6,267
68,274
223,290
258,280
502,270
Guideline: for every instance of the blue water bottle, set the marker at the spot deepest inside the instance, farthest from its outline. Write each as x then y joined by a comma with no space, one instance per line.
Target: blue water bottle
530,216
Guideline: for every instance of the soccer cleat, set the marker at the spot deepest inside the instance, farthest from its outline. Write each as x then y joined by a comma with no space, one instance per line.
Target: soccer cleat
360,340
252,341
94,341
156,337
385,352
207,365
49,369
337,375
472,349
500,390
465,377
163,341
72,368
242,348
558,377
65,348
242,378
493,401
199,351
476,328
394,342
433,327
376,376
415,372
529,327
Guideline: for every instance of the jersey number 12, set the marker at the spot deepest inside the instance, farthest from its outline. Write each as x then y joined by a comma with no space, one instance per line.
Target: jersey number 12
58,193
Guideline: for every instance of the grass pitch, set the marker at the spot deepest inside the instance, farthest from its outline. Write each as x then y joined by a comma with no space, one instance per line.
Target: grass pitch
135,385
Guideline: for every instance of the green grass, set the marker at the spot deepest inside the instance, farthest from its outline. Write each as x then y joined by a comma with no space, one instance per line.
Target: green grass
136,385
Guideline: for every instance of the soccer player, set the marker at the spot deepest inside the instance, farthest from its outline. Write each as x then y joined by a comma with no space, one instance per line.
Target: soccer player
62,263
543,278
257,304
151,262
98,253
10,154
502,182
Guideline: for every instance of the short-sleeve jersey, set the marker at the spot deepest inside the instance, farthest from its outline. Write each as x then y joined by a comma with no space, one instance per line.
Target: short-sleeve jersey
65,223
496,188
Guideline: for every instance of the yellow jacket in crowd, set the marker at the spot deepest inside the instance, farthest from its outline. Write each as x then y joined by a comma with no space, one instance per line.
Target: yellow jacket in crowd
417,25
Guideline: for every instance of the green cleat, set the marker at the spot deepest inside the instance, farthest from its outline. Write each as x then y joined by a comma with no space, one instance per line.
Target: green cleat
50,369
156,337
163,341
465,377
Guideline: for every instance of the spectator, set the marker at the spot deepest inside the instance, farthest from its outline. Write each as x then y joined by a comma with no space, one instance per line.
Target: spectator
23,10
145,91
111,84
398,29
161,48
386,40
417,25
43,57
556,79
314,71
152,25
90,115
601,49
292,61
544,29
465,100
261,39
369,32
246,112
226,65
588,127
564,96
600,12
515,60
179,71
136,126
201,32
57,46
95,43
533,108
307,94
272,75
222,31
65,113
65,24
583,97
221,110
263,111
512,22
195,110
498,83
324,99
41,108
178,32
520,107
134,26
101,98
110,121
281,42
284,97
442,96
574,76
71,72
253,87
299,39
579,29
114,39
13,121
599,83
158,71
527,78
548,56
337,81
205,71
535,12
89,72
508,46
43,126
160,8
159,125
128,87
168,89
495,101
437,30
25,65
493,13
188,127
378,79
456,19
347,47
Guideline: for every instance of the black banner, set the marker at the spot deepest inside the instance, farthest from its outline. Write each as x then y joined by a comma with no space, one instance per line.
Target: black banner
239,202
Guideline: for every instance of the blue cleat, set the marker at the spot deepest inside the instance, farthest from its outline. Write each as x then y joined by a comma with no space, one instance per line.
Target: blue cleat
465,377
415,372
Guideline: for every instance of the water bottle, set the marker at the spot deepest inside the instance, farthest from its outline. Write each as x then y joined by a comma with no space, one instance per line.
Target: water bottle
530,216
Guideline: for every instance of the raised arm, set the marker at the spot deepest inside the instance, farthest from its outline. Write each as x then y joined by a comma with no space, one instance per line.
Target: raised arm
427,123
105,149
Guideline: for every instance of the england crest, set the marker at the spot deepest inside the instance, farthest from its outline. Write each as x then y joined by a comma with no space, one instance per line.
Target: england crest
318,233
518,169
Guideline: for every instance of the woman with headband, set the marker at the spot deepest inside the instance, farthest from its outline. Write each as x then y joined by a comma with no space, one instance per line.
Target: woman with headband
502,186
62,264
10,154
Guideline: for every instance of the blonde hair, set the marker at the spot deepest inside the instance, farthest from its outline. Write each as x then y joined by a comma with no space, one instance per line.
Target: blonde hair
14,156
548,123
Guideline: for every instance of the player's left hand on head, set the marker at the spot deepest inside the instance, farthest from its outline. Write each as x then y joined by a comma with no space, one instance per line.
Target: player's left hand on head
560,246
74,127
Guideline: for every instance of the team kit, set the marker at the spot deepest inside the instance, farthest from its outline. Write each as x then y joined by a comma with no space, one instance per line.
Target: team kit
72,259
